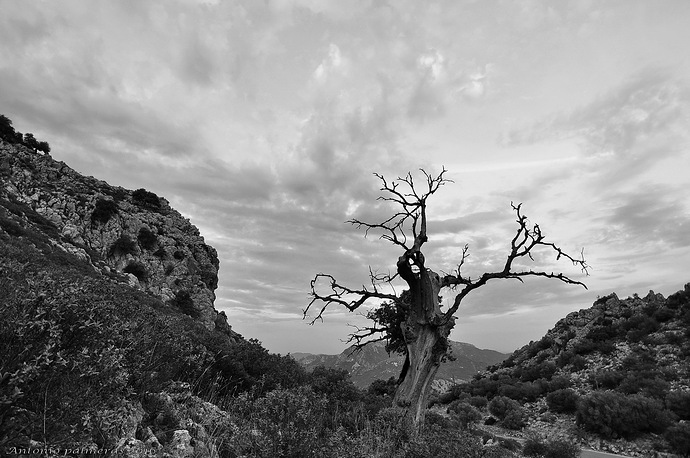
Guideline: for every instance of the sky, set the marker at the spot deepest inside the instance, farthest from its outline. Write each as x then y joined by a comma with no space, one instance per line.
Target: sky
264,122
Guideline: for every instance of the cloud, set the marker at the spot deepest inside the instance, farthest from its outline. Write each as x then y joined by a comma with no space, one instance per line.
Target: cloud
631,127
653,215
332,63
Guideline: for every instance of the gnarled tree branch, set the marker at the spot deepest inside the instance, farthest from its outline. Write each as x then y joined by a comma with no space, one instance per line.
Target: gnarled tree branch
526,239
336,293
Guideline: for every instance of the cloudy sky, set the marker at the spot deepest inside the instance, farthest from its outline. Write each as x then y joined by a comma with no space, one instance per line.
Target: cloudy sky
263,122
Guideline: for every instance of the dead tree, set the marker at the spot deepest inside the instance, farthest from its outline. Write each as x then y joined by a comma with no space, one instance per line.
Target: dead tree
413,322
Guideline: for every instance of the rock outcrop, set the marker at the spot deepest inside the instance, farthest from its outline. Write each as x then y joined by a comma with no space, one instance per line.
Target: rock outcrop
131,236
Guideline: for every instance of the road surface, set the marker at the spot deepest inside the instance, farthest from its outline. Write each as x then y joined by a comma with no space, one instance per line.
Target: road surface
595,454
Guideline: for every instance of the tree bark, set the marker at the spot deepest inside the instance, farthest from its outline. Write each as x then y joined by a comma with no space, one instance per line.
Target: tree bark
426,337
424,358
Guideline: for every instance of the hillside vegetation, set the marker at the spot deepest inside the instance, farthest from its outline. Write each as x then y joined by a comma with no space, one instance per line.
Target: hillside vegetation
615,376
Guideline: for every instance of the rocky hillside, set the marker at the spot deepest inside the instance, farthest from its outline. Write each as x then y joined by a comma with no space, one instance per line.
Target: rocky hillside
615,376
133,234
374,363
106,307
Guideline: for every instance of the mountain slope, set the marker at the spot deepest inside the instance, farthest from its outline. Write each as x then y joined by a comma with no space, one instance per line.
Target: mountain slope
135,234
616,376
374,363
106,300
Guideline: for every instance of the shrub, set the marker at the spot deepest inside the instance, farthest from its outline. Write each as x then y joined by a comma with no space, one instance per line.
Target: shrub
508,411
336,385
209,278
11,227
664,314
478,401
537,371
562,401
185,303
557,448
678,402
464,413
383,387
612,414
147,239
606,379
564,358
653,387
124,245
600,334
639,326
285,423
146,199
515,419
586,346
104,210
137,269
678,437
559,383
501,405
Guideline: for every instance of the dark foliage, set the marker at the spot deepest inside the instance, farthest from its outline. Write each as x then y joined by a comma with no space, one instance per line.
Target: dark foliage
613,414
122,246
678,437
539,448
389,316
8,134
678,402
209,278
185,303
104,210
508,411
383,387
137,269
10,226
538,371
606,379
147,239
478,401
146,199
465,414
562,401
586,346
650,386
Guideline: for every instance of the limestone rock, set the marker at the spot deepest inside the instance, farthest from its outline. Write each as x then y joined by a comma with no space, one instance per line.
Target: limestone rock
117,230
181,444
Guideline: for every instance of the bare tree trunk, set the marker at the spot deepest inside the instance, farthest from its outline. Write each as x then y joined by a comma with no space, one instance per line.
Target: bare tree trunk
426,339
424,359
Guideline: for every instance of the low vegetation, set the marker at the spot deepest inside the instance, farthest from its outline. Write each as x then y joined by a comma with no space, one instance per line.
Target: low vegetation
625,374
8,134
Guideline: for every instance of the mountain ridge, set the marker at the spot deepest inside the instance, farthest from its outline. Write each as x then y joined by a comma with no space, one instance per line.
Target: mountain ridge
372,363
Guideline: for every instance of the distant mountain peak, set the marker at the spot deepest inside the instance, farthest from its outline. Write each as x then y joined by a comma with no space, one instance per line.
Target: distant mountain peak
372,362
